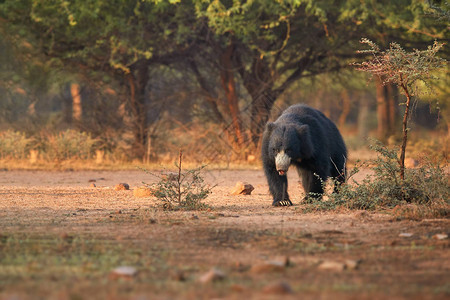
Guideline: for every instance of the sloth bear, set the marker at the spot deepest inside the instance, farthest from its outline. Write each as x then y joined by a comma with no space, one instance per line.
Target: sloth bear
304,137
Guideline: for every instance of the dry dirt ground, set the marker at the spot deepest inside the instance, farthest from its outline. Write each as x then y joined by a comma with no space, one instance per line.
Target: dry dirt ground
62,239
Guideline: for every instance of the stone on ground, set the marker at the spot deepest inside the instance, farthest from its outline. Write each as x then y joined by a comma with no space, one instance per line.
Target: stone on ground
242,188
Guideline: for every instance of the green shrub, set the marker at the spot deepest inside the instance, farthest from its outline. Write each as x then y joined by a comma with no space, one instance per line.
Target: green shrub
70,144
406,70
14,145
182,190
426,188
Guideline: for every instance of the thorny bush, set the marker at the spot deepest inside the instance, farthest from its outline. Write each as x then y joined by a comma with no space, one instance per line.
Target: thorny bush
425,188
182,190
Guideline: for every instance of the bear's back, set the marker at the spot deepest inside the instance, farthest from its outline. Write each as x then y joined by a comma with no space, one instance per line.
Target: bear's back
304,114
324,131
304,110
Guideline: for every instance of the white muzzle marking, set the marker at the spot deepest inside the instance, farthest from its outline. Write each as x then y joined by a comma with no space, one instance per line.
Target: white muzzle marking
282,162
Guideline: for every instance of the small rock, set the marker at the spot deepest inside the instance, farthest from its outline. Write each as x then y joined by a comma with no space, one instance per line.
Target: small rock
126,272
332,266
92,180
240,267
212,275
142,192
405,234
440,236
284,260
66,237
268,267
279,288
393,243
351,264
307,235
122,187
92,185
178,275
242,188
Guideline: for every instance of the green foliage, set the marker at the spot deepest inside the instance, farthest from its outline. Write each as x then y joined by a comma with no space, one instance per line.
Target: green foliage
249,21
92,33
272,45
441,12
184,190
405,69
425,187
397,66
14,145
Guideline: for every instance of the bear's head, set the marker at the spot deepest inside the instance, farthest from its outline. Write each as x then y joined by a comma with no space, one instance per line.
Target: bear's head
288,143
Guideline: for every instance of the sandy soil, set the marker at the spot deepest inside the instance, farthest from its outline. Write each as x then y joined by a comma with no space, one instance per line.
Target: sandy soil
87,231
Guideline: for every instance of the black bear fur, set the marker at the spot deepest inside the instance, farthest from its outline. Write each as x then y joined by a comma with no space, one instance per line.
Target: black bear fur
312,143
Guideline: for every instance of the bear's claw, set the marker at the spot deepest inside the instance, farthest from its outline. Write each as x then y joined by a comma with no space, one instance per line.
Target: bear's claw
283,203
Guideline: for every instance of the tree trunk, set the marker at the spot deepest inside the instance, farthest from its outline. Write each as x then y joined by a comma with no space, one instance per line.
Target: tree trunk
137,81
208,90
387,102
77,110
405,129
259,81
262,105
345,108
363,116
392,100
259,84
382,111
228,84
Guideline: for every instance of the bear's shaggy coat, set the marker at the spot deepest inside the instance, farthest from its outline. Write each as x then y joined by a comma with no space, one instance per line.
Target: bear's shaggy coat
304,137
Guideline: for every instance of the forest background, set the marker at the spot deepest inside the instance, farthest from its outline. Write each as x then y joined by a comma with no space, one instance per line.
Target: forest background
137,80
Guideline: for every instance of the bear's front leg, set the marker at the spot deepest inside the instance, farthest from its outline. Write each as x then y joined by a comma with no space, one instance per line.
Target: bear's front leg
312,184
278,187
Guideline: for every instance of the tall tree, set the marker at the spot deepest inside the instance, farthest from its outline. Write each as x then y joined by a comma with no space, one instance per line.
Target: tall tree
262,46
404,69
120,38
278,42
275,43
412,23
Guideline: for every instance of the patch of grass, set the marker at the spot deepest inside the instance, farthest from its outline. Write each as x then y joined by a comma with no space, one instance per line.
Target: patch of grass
28,255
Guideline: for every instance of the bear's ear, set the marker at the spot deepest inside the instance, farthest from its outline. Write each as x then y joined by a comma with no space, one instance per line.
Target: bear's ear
306,146
269,127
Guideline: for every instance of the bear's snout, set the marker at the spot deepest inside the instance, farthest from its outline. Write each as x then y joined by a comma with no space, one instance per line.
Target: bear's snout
282,163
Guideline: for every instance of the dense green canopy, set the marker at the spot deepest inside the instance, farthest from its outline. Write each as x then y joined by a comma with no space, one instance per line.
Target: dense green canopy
240,55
